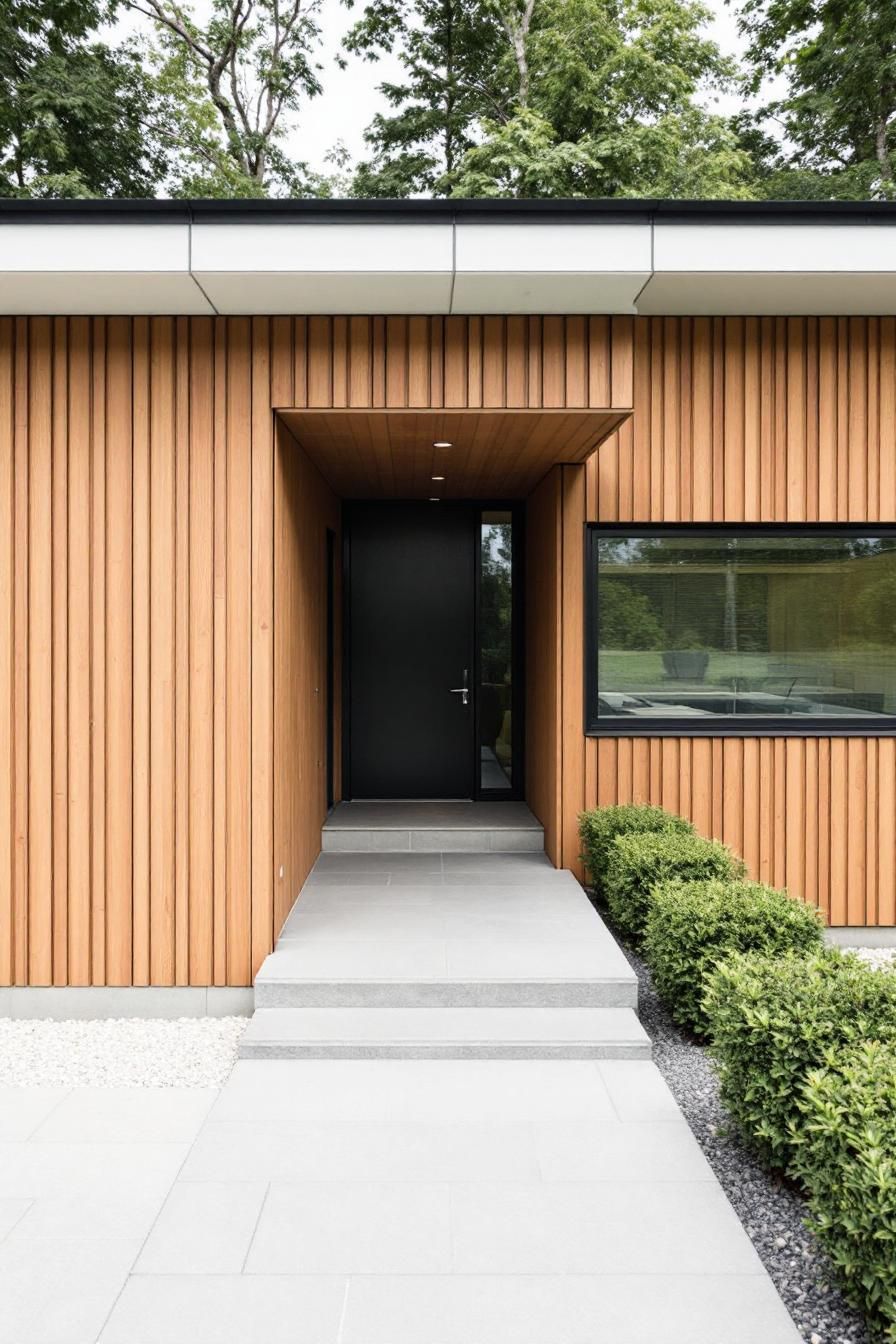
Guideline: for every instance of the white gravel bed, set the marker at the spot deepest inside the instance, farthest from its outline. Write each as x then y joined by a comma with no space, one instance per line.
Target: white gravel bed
882,958
119,1052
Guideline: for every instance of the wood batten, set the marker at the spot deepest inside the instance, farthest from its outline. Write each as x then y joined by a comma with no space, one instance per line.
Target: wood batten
492,454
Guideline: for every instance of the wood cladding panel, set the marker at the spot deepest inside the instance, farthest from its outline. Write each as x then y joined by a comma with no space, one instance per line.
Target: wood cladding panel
760,420
140,613
305,508
754,419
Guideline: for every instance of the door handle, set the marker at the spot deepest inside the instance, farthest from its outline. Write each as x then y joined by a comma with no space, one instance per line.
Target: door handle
462,690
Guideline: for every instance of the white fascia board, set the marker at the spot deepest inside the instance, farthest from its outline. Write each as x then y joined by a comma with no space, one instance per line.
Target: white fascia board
547,292
788,294
97,247
584,249
109,293
355,293
310,249
764,249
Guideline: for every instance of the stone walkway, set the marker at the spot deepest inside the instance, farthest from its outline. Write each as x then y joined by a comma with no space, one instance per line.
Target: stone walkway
386,1200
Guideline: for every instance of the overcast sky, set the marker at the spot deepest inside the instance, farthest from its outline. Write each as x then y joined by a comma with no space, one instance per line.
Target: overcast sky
350,96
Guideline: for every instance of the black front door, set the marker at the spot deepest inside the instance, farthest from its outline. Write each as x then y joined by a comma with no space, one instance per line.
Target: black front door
411,590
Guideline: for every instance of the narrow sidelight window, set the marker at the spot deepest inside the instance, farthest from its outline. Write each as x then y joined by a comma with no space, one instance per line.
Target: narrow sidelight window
720,630
496,736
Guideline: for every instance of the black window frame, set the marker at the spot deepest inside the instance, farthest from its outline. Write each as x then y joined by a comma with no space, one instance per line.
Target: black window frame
721,726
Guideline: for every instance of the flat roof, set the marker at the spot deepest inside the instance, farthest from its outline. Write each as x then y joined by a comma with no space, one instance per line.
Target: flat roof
695,258
319,210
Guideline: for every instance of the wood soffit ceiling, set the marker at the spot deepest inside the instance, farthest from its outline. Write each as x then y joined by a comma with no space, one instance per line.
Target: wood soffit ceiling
495,454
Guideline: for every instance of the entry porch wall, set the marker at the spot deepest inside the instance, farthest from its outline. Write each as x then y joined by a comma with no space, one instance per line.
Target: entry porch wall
141,837
753,420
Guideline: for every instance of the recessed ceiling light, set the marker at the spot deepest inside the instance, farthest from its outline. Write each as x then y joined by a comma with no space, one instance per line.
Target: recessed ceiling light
442,443
438,478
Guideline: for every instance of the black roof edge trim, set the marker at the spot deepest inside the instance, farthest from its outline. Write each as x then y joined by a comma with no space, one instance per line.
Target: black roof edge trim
491,210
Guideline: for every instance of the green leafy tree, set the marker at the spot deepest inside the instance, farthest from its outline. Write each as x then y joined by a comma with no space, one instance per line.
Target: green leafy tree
627,618
606,104
549,98
838,114
77,118
228,85
450,52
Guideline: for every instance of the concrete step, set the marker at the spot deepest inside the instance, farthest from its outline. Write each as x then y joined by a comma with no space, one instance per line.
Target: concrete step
607,992
432,828
445,1033
433,840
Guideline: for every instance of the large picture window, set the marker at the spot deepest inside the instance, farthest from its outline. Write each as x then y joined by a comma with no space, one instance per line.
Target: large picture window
724,629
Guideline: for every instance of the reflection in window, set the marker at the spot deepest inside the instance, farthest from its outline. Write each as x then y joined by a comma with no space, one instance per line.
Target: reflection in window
495,650
707,625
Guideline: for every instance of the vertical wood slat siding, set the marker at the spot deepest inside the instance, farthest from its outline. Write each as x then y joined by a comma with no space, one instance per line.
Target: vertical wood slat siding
304,508
138,621
762,420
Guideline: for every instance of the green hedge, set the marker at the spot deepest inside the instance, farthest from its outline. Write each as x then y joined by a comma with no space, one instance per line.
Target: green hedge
845,1156
773,1020
693,925
600,827
638,863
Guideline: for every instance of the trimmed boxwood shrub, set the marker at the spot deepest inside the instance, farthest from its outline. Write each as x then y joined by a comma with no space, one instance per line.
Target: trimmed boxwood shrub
692,925
600,827
773,1020
638,863
845,1155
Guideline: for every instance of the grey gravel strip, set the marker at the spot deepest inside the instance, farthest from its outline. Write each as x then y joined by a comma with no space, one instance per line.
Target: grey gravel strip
771,1210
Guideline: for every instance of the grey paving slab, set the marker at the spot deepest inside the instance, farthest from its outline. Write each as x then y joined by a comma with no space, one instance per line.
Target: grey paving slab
285,1092
12,1211
365,1151
138,1171
615,1151
204,1228
348,1227
336,959
58,1290
639,1093
364,878
515,865
103,1213
572,1227
22,1109
569,1309
171,1115
335,862
227,1309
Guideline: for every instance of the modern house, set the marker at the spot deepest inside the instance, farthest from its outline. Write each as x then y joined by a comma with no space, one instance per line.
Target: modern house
556,503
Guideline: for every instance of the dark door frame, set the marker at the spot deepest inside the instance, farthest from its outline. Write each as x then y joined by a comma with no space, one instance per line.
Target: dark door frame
331,667
518,698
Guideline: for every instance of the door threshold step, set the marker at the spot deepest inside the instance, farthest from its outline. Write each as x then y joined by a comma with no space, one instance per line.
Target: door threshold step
295,993
433,840
445,1033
